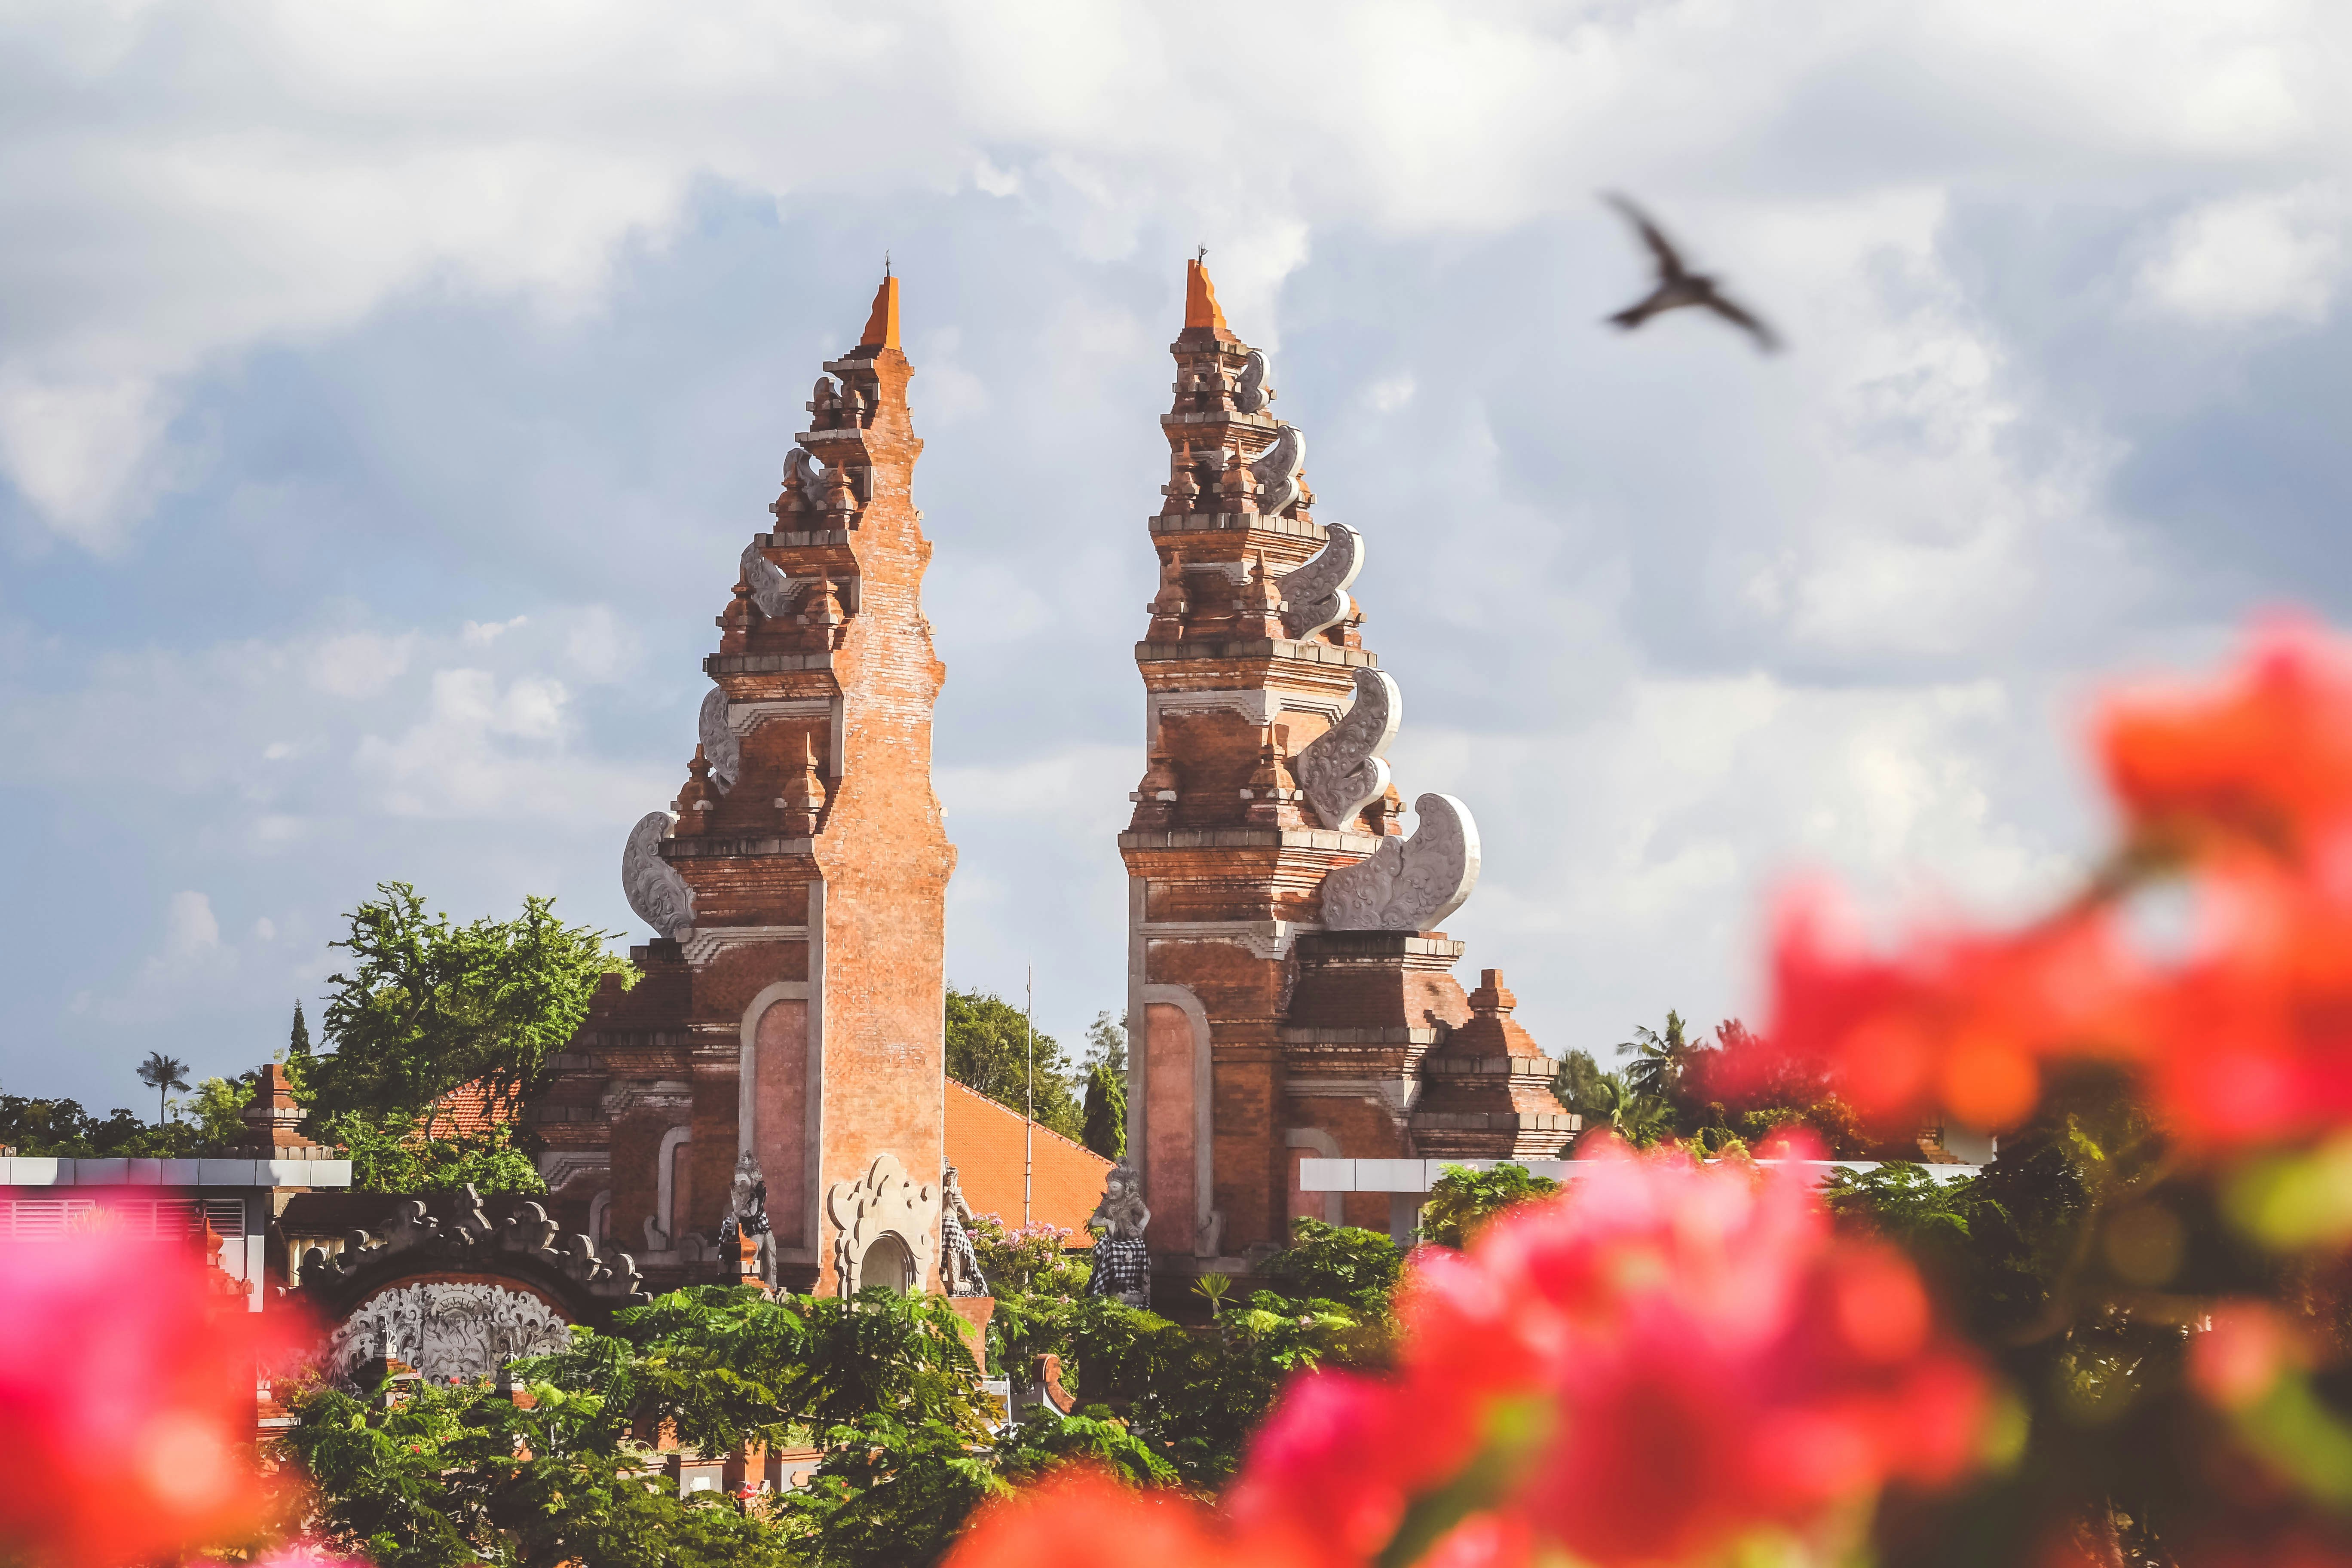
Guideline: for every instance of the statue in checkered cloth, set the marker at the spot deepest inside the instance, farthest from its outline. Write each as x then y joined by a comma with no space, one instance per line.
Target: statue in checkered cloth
1122,1265
959,1263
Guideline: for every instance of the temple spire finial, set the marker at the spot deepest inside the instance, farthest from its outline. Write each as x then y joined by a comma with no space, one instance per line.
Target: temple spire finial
1201,309
882,326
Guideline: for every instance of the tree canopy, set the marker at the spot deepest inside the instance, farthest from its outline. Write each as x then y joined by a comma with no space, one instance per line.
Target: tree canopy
990,1049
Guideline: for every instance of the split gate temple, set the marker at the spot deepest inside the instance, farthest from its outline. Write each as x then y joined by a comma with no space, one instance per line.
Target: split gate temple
1289,991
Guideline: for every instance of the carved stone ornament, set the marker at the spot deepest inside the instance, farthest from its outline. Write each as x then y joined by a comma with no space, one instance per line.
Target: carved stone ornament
1409,884
959,1272
1341,769
747,1215
448,1329
1278,472
720,744
1253,394
771,590
884,1202
416,1248
804,479
652,884
1316,596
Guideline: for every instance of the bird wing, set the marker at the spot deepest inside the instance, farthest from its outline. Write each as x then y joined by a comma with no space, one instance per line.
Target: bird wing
1766,339
1670,261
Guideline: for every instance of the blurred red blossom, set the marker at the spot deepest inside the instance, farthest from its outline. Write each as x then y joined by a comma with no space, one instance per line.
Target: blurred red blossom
1662,1362
1954,1020
2263,755
127,1390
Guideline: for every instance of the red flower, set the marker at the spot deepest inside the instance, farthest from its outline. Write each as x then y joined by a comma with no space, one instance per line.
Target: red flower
2252,1041
1649,1367
2264,755
1080,1518
1957,1021
126,1392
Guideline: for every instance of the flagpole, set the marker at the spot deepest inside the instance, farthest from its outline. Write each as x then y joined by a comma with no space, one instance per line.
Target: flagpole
1029,1126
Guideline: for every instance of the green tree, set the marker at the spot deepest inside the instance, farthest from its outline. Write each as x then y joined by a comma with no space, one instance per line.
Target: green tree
1464,1199
1107,1044
1355,1268
61,1128
429,1005
163,1074
1665,1061
219,1106
1106,1113
1575,1083
298,1058
990,1049
394,1151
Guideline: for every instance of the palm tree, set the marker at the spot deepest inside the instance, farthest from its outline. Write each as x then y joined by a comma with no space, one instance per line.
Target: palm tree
163,1074
1661,1059
1616,1104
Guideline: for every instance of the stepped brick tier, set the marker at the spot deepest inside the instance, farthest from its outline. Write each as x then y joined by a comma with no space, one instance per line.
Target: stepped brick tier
791,1006
1291,993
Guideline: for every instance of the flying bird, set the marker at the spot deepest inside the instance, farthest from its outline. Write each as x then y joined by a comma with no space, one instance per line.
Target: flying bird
1678,286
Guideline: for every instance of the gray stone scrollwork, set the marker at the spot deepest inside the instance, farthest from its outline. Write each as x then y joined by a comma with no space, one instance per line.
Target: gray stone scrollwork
652,884
1409,884
1316,596
448,1329
722,748
1253,394
1278,472
772,590
804,473
1341,770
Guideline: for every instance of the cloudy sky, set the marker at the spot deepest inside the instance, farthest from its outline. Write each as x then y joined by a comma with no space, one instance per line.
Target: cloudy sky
386,392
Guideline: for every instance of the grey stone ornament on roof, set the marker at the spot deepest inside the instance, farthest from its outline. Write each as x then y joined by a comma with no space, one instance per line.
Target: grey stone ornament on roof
652,884
1409,884
1253,394
722,748
1315,595
1278,472
1341,770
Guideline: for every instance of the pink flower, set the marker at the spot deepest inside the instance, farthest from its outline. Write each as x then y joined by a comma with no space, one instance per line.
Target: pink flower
127,1392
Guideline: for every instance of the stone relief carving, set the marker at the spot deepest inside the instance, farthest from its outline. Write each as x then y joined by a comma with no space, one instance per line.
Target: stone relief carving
1341,770
1409,884
771,589
1253,394
804,477
884,1201
652,884
1316,596
448,1329
1278,472
722,748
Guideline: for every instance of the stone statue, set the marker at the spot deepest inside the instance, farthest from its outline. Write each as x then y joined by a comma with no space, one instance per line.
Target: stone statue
1122,1263
959,1263
747,1215
1409,884
1342,770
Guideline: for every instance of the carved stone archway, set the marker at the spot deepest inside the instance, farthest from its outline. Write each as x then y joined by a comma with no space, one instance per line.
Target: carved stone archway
884,1202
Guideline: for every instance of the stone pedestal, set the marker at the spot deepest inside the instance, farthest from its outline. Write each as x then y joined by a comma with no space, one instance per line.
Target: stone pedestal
975,1311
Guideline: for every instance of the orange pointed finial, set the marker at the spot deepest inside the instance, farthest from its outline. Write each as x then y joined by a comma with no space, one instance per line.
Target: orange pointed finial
1200,302
882,326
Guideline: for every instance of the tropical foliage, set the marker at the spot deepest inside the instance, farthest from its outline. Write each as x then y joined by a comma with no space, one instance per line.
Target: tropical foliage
991,1048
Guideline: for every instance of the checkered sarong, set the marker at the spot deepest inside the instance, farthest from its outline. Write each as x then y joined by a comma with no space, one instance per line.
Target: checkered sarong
1120,1267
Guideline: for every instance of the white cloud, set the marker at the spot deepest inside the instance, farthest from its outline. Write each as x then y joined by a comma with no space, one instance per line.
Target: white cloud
301,164
359,665
482,634
2247,258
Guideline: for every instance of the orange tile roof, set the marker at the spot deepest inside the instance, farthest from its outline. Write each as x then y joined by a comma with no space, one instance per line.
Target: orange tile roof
984,1144
465,1112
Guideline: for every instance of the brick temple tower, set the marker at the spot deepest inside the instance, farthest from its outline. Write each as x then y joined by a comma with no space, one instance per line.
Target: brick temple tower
791,1004
1290,994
